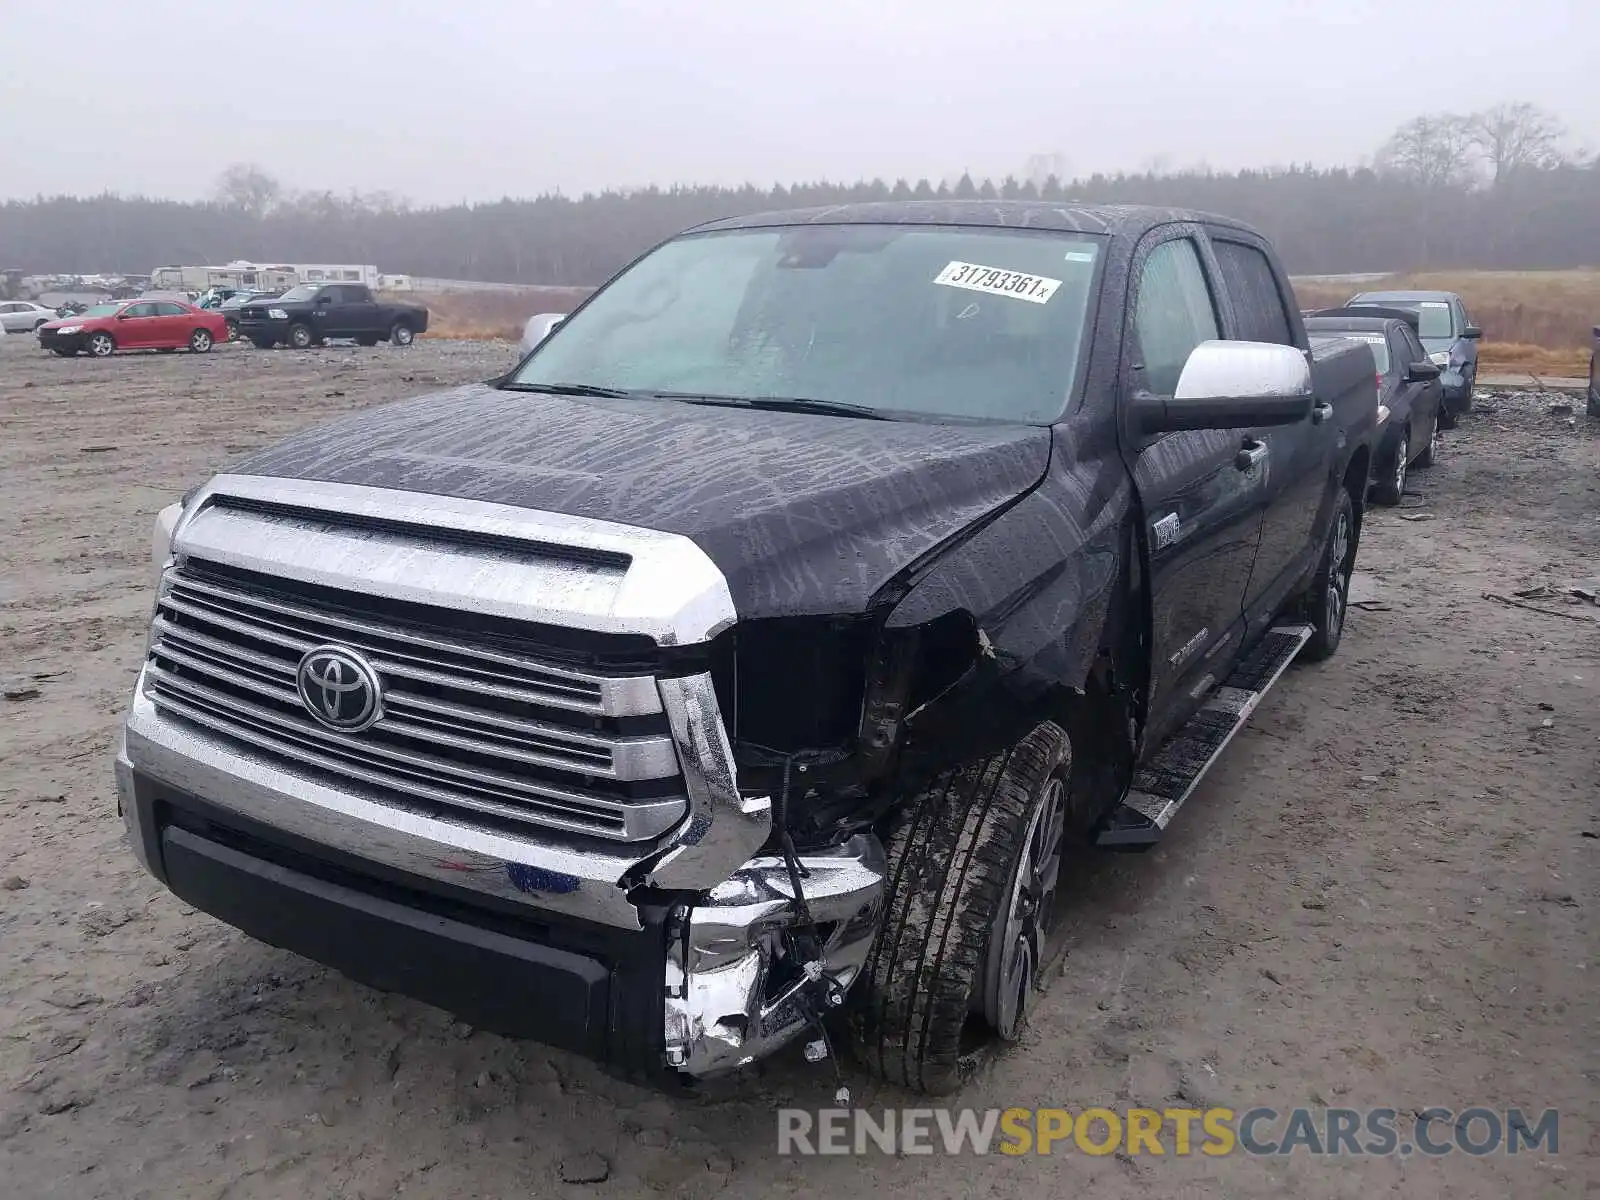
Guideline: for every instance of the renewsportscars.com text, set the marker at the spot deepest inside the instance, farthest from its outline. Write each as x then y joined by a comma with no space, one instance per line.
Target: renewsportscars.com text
1176,1132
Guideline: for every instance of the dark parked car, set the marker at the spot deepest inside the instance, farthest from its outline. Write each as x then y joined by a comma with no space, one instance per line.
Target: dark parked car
230,307
1410,397
311,313
1450,338
749,651
1594,373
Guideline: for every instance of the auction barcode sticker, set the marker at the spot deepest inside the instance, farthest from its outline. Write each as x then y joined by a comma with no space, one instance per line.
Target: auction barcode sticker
1019,285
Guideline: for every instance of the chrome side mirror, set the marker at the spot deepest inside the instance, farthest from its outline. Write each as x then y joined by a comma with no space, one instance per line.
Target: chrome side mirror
1228,385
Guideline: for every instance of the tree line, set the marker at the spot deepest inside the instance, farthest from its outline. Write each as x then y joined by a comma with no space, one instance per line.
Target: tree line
1494,189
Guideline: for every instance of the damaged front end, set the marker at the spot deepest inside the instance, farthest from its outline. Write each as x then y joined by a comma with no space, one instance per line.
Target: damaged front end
817,711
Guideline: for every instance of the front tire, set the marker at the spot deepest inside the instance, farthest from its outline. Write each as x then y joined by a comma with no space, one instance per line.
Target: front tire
200,341
300,336
1328,599
101,345
401,334
974,860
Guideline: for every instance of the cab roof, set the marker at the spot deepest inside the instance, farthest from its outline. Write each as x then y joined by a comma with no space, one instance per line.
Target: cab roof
1129,220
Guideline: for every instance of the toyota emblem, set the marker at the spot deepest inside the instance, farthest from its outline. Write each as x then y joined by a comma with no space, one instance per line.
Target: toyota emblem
339,688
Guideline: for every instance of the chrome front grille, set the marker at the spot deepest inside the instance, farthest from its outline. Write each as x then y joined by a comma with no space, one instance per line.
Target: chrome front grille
472,729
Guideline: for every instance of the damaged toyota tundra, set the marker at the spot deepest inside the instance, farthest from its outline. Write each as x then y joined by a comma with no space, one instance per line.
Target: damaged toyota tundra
733,672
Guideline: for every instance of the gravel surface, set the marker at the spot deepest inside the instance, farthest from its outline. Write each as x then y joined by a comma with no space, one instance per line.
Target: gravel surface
1385,895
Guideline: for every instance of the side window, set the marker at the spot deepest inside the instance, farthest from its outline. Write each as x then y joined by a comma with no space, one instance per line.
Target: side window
1173,314
1257,302
1460,310
357,295
1414,350
170,310
140,310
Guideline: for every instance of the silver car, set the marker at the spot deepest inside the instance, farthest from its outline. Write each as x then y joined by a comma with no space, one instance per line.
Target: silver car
23,316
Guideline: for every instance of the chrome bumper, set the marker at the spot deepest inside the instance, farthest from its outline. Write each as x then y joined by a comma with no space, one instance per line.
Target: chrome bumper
722,1012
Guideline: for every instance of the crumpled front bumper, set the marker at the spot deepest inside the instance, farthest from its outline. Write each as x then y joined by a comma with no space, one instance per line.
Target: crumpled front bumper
697,989
734,991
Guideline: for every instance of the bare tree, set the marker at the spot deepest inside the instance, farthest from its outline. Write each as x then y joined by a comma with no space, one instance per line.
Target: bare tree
1515,137
247,187
1435,151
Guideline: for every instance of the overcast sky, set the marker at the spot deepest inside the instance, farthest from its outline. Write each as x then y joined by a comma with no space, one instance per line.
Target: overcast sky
444,100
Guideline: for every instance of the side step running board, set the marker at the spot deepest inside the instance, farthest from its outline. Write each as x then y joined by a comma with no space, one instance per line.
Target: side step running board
1162,785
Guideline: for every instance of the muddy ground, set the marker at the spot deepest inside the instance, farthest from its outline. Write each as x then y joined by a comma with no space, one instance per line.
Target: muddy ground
1386,895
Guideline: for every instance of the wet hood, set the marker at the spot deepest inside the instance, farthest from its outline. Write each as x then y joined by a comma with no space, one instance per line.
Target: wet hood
803,514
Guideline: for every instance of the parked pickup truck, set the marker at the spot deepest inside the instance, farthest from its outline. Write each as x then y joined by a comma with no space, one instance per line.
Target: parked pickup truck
313,312
748,652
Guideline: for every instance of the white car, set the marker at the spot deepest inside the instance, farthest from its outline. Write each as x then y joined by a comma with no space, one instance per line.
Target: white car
23,316
538,328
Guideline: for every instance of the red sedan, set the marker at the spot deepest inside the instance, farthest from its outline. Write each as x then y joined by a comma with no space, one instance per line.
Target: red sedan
135,325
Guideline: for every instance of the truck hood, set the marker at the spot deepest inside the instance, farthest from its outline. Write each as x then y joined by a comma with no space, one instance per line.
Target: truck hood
803,514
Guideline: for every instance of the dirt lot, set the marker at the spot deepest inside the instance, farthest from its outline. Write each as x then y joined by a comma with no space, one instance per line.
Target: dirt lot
1385,896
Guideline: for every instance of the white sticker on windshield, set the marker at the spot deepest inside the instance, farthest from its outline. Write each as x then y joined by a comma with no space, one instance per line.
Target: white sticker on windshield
1079,255
974,277
1435,304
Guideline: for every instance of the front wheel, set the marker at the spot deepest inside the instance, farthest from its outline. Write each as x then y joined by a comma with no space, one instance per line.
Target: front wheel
101,345
200,341
300,336
401,334
974,861
233,331
1327,600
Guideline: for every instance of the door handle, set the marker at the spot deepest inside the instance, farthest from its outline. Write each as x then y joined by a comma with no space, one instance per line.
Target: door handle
1251,454
1320,412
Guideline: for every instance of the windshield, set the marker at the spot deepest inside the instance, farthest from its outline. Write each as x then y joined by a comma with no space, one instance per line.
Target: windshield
932,320
304,292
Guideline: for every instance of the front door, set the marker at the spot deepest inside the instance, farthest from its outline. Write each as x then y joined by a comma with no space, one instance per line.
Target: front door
137,326
1200,496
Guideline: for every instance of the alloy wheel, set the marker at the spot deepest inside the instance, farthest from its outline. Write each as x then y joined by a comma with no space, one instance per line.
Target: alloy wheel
1018,944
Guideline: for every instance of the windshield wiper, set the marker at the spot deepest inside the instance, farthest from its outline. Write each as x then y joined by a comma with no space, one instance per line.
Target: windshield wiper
571,389
796,404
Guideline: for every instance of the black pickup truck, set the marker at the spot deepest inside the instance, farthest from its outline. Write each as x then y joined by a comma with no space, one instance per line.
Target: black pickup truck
747,654
311,313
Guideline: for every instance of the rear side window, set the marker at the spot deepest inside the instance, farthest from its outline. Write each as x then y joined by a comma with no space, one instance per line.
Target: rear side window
1174,313
1257,302
170,310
